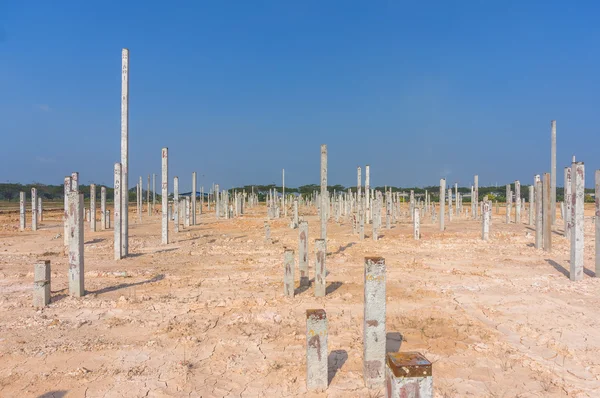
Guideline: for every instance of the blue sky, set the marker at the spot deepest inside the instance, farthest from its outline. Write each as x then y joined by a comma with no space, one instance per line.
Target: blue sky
239,90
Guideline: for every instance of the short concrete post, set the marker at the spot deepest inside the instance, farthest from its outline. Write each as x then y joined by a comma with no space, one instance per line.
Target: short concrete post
485,222
324,204
531,201
165,196
93,207
408,375
288,273
117,212
442,203
417,224
102,208
597,222
267,232
107,219
374,338
176,204
316,350
577,219
320,270
76,263
295,222
539,213
33,209
41,284
22,214
547,223
568,202
517,202
303,253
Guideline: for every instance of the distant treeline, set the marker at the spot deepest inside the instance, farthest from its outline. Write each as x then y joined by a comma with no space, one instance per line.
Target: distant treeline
10,192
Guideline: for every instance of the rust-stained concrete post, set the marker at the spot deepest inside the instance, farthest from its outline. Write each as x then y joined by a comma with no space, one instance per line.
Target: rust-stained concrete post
41,284
517,202
117,212
303,253
288,273
76,263
539,213
93,207
320,270
22,214
547,223
408,375
102,208
324,204
597,219
33,209
124,152
485,222
374,322
442,203
165,196
417,223
553,172
577,219
176,204
568,203
316,350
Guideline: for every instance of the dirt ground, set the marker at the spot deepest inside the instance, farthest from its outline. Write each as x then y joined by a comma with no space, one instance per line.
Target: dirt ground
205,316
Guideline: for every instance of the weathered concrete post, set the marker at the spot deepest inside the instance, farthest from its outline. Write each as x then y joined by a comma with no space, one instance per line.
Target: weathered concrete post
117,212
93,207
531,202
577,219
358,181
76,263
165,196
295,222
303,253
40,210
374,322
176,205
124,213
508,203
597,222
41,284
316,350
153,191
102,208
517,202
568,202
283,192
148,197
267,232
324,204
67,189
33,209
194,189
553,172
450,211
476,192
141,199
539,213
320,270
187,205
22,214
288,273
417,224
408,374
485,222
361,219
368,192
547,223
442,203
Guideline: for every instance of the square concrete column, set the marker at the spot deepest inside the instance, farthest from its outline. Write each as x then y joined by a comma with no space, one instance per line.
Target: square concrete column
41,284
153,191
358,181
553,171
597,222
124,212
361,218
324,203
417,224
176,204
22,213
408,375
508,203
374,337
316,350
194,189
40,210
140,199
165,196
288,273
102,208
531,206
442,203
547,222
539,213
485,221
187,205
568,202
320,267
148,197
476,192
517,202
33,209
117,213
93,207
295,222
450,211
303,254
577,219
67,189
76,263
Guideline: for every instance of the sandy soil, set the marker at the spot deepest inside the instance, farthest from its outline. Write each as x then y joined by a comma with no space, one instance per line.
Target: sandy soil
205,316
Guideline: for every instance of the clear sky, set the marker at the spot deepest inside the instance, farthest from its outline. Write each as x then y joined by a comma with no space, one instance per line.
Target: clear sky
239,90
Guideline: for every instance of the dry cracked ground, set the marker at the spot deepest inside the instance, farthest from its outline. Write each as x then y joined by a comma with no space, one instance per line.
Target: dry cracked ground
205,316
